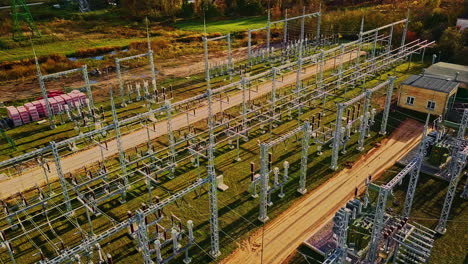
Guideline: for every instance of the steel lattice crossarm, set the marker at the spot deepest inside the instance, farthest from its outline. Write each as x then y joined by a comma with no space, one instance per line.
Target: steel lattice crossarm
90,242
233,86
89,134
456,167
412,168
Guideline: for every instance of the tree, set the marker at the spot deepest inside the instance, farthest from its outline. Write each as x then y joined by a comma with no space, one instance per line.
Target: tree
451,43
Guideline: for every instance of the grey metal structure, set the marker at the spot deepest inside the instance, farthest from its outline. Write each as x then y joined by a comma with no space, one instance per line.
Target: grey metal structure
364,124
285,22
106,183
149,54
42,78
214,225
458,163
413,169
265,170
230,64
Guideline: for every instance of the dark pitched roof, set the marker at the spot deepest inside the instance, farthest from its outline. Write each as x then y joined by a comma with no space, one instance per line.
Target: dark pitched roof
434,83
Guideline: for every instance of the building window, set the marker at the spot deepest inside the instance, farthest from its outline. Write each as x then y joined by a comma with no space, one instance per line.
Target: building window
410,100
430,105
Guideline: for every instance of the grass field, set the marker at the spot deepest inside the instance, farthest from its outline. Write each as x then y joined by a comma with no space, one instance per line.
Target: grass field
223,26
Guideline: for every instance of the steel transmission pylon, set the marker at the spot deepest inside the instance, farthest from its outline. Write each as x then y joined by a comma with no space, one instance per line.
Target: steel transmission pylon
20,14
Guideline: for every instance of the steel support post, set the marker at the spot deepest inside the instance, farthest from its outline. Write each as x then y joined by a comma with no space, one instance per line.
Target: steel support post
212,180
273,98
299,66
151,59
422,151
63,182
365,121
319,21
264,174
123,163
405,30
285,29
343,236
172,141
320,80
389,44
340,69
337,137
358,55
455,171
249,47
390,39
84,70
230,64
153,72
50,114
374,47
207,69
304,158
244,104
388,102
121,85
268,36
377,226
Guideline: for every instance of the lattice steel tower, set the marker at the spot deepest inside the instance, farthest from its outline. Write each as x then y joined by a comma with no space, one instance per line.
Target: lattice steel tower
20,14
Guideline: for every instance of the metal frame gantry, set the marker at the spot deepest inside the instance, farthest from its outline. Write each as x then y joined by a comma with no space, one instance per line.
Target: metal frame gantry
42,78
458,163
413,168
364,119
152,67
285,21
265,167
230,64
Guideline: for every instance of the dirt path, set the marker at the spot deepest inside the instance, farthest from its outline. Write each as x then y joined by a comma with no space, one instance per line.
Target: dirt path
286,232
76,161
192,64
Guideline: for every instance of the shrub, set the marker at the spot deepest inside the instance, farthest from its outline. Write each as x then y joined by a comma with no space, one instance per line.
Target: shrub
83,53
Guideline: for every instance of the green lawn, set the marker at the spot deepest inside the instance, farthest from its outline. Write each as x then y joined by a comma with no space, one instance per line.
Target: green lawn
62,47
224,26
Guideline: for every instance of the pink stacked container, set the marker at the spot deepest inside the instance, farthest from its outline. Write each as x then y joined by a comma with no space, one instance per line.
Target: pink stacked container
54,105
32,110
68,100
43,106
82,98
39,108
14,115
75,97
60,102
24,114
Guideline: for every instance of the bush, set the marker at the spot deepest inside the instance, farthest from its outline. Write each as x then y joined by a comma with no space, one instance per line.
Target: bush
83,53
156,44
